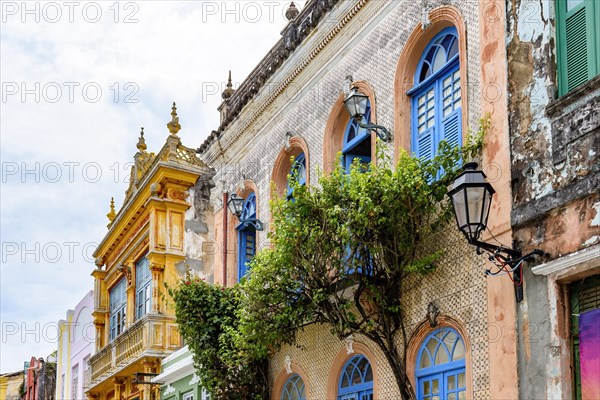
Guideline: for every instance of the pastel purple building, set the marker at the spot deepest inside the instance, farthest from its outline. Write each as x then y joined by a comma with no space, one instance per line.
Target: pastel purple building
76,344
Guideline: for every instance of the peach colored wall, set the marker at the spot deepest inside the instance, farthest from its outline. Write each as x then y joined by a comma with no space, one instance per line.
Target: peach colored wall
496,163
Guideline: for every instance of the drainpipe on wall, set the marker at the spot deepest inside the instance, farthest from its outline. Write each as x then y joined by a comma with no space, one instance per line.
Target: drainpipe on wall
225,199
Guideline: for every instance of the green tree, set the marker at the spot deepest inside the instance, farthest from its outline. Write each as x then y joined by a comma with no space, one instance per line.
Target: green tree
207,319
341,251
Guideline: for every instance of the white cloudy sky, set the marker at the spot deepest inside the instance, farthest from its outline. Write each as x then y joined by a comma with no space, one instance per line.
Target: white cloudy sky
64,150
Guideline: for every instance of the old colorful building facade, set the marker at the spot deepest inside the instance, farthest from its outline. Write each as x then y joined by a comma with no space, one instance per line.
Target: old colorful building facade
158,234
431,70
75,347
554,92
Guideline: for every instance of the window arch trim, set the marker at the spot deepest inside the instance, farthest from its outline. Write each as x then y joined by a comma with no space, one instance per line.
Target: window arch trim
301,392
451,30
337,122
440,18
422,331
282,165
359,387
339,362
282,379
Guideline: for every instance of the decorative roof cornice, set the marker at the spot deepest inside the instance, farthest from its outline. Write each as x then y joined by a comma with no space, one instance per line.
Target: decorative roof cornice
292,36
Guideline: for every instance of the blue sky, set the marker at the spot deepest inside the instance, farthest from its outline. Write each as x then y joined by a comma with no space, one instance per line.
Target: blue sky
78,82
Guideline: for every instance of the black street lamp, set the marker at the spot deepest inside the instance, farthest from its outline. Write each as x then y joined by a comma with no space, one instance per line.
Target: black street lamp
471,198
235,204
356,105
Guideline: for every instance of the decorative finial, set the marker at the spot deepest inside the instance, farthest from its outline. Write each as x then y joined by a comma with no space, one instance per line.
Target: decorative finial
228,92
111,214
292,12
174,126
141,144
348,84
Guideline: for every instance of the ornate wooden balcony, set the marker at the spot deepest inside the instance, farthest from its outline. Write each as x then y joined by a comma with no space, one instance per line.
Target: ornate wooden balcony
153,335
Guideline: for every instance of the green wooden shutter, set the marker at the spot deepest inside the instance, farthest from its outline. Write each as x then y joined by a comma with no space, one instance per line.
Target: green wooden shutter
577,56
577,44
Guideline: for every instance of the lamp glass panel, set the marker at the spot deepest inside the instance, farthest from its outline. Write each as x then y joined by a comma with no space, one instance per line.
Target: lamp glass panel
350,106
475,203
460,209
235,204
362,104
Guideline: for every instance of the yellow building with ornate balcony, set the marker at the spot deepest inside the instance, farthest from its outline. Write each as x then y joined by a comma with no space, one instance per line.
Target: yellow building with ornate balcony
159,233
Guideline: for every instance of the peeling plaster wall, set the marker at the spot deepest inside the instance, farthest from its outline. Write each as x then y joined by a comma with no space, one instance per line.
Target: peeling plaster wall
555,178
199,232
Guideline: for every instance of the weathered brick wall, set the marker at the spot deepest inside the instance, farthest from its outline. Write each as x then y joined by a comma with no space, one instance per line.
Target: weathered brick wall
459,285
554,141
555,177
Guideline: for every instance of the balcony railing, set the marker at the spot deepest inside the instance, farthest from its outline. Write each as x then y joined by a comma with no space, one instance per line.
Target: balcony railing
150,333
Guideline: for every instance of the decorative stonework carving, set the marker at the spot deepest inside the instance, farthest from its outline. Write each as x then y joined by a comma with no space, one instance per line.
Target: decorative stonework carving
433,311
293,35
288,364
126,270
195,379
177,195
349,342
169,389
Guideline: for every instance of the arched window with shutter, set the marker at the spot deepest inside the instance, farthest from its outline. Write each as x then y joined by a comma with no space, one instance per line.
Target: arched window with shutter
246,236
356,380
297,172
436,96
440,370
294,389
357,142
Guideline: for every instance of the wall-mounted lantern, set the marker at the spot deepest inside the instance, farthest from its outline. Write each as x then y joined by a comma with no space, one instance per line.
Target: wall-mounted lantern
356,105
471,198
235,204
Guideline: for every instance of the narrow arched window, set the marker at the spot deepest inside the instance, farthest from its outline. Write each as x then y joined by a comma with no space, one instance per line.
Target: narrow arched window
356,380
246,236
297,172
440,368
143,287
436,96
294,389
357,142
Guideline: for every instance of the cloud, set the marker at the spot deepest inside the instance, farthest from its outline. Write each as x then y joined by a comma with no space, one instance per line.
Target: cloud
54,118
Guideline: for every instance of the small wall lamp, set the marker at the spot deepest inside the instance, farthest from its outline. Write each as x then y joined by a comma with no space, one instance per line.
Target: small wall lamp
471,198
356,105
235,204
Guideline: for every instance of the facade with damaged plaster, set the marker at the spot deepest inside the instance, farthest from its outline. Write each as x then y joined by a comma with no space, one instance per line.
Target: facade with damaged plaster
291,105
554,98
159,235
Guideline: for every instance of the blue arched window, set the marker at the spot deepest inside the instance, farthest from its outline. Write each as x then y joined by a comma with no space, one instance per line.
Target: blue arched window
356,381
436,97
246,236
298,171
294,389
440,368
357,142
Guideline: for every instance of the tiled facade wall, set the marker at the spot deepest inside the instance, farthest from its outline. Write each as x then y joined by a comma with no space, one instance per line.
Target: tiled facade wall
458,287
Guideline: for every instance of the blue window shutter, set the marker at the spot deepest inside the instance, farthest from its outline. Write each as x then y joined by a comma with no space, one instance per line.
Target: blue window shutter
424,144
246,251
451,128
436,98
